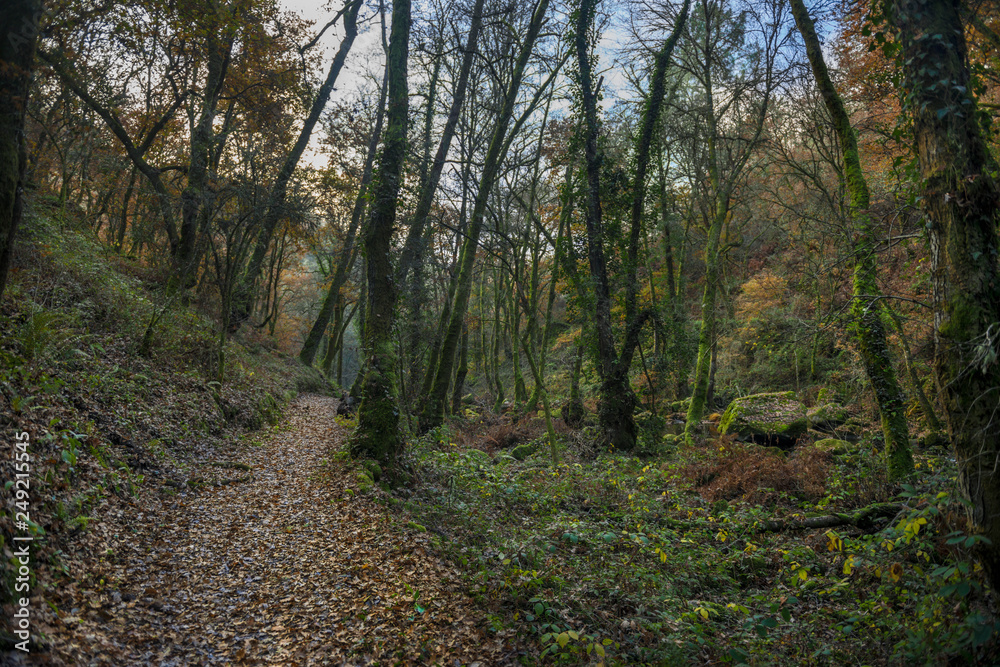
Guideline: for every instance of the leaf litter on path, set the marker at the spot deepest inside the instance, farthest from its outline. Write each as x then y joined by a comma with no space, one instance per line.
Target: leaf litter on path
283,568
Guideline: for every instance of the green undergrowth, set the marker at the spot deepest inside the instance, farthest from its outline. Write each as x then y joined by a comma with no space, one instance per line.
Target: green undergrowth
665,560
106,422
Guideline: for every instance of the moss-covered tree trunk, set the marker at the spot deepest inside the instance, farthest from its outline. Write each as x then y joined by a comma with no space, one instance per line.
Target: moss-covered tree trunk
866,307
378,435
960,196
18,35
461,373
617,400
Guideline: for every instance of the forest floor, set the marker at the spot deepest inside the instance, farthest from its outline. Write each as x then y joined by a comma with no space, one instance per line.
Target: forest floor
283,564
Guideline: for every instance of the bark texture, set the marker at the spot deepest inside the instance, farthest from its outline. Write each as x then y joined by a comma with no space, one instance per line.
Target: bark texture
18,35
866,306
961,199
378,434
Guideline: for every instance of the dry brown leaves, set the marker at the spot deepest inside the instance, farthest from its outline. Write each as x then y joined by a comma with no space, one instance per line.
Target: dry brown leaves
280,570
755,474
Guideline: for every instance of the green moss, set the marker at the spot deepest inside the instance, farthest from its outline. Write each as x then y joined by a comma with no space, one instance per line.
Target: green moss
835,446
373,469
413,525
521,452
777,413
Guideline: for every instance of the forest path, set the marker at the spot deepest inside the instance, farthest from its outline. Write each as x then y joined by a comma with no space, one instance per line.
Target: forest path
283,569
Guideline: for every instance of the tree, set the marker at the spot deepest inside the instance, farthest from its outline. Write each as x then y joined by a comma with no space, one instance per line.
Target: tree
18,36
960,198
245,292
347,254
866,306
377,435
617,398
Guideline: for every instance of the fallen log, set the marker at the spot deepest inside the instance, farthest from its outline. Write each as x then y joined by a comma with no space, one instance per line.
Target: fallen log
865,519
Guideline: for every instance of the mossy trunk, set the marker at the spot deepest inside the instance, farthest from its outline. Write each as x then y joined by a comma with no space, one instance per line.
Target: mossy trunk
543,347
514,324
378,435
866,306
495,355
960,195
573,412
617,400
18,35
460,374
702,372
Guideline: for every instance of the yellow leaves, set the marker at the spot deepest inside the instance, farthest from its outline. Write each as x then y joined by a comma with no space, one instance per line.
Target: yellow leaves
911,527
749,548
849,565
722,535
803,574
835,543
662,554
896,572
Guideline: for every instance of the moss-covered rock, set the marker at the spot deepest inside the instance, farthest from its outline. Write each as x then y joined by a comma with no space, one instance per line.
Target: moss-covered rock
521,452
932,439
777,418
364,481
835,446
373,469
826,417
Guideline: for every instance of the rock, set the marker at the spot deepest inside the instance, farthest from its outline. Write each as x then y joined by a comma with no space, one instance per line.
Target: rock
826,417
374,469
777,419
835,446
521,452
932,439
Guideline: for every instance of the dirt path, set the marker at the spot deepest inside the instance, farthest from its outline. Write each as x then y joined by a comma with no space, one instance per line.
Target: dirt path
281,569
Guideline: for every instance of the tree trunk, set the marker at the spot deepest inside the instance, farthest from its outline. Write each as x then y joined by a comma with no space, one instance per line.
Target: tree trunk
197,195
930,417
961,199
866,311
18,34
461,373
429,185
378,435
617,402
